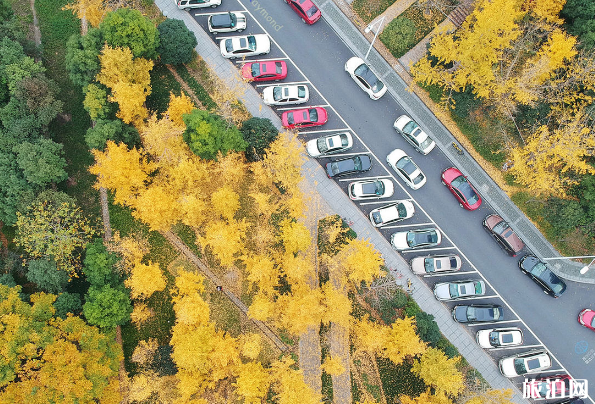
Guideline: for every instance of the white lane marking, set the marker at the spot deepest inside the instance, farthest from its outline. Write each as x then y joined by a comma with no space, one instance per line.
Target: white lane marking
281,83
449,274
413,250
307,132
400,226
495,322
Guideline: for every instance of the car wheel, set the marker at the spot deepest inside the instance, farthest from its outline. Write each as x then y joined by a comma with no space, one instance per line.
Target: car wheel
213,6
460,204
240,30
304,21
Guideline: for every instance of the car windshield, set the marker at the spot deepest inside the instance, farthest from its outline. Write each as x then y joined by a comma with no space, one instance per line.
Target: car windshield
500,227
519,366
463,185
425,144
406,165
278,67
453,290
419,178
494,338
453,262
376,217
557,285
410,127
322,146
301,91
429,264
379,187
277,93
290,118
313,115
311,11
228,45
402,210
251,42
364,72
255,69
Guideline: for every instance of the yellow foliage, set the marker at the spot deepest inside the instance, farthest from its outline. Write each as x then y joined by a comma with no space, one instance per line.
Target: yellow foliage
439,371
131,100
300,310
226,240
262,308
92,10
502,396
145,279
252,382
261,272
188,283
403,341
231,169
333,366
225,202
426,398
191,309
298,269
132,248
163,139
251,345
141,314
548,10
369,336
157,206
360,261
263,203
121,170
145,351
284,160
179,106
194,210
295,236
337,306
290,386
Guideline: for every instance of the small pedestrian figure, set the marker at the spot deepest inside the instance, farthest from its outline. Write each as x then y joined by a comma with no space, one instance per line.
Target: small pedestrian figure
219,288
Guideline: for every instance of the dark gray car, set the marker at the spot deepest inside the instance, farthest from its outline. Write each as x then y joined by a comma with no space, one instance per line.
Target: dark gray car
350,165
478,313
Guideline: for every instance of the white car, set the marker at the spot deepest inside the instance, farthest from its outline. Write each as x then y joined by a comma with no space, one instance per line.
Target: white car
406,169
361,73
456,290
246,45
394,212
232,21
525,363
286,95
412,239
371,189
331,144
435,263
189,4
499,337
412,133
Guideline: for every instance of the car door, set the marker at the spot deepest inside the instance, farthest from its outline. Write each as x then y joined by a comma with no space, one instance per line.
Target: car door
298,8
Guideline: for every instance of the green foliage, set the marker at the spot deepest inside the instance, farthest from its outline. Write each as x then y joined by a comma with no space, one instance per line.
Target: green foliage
259,133
465,102
115,130
368,10
46,275
580,20
411,308
177,44
398,379
199,91
82,57
41,162
163,83
399,36
564,214
99,265
324,246
8,280
389,306
208,134
427,328
68,303
107,307
96,102
449,349
127,27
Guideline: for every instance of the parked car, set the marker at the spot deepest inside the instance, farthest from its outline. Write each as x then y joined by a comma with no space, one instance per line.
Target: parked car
268,70
406,169
304,118
461,188
503,234
349,165
286,95
371,189
247,45
412,133
189,4
368,81
231,21
573,400
477,313
456,290
392,213
305,9
436,264
330,144
550,386
587,318
412,239
499,337
525,363
542,275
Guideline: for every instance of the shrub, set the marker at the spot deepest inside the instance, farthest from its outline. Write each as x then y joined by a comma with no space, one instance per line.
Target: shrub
388,306
259,133
449,349
411,308
399,36
47,276
177,42
427,328
67,303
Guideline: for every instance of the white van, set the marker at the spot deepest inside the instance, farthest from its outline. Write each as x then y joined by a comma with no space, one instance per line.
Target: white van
188,4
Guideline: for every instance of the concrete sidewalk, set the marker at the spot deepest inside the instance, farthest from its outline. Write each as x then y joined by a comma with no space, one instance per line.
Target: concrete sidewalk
340,203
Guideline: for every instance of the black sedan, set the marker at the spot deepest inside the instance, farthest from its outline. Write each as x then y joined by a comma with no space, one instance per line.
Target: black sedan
542,275
349,165
478,313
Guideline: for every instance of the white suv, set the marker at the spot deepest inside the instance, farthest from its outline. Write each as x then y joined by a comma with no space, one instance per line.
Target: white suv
189,4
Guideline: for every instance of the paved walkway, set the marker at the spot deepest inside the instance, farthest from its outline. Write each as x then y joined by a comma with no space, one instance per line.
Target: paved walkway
339,202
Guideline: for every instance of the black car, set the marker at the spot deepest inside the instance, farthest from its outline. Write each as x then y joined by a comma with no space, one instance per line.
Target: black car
478,313
349,165
542,275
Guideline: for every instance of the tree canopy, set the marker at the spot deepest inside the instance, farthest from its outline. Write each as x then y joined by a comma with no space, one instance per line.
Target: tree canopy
178,43
128,28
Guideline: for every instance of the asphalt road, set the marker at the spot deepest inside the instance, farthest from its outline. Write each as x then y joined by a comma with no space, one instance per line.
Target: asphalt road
316,54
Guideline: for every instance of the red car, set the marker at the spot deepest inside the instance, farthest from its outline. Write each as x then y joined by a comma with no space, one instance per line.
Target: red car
555,386
461,188
304,118
305,9
265,71
587,318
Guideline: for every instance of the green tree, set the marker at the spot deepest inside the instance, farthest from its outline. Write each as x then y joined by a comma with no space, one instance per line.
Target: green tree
96,102
207,134
427,328
67,303
259,133
127,27
82,56
115,130
46,275
99,265
107,307
53,227
41,161
180,43
580,20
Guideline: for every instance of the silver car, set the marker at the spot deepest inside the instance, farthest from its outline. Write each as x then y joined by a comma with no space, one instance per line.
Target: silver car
285,95
232,21
499,337
406,169
247,45
435,264
457,290
525,363
412,133
392,213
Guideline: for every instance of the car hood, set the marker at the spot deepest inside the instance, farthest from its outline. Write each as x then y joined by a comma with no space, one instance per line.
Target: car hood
312,147
399,240
507,367
460,314
483,338
441,291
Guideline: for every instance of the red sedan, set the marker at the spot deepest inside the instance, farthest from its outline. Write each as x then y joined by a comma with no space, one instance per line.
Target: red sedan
305,9
269,70
461,188
304,118
587,318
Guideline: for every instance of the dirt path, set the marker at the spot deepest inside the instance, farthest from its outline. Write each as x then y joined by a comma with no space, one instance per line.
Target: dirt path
186,87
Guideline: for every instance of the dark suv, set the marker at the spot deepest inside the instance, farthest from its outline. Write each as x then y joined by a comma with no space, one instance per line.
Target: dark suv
350,165
503,234
542,275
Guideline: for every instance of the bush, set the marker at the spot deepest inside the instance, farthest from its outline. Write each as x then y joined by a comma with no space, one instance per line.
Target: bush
449,349
564,214
99,265
399,36
67,303
411,308
427,328
177,42
259,133
47,276
115,130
